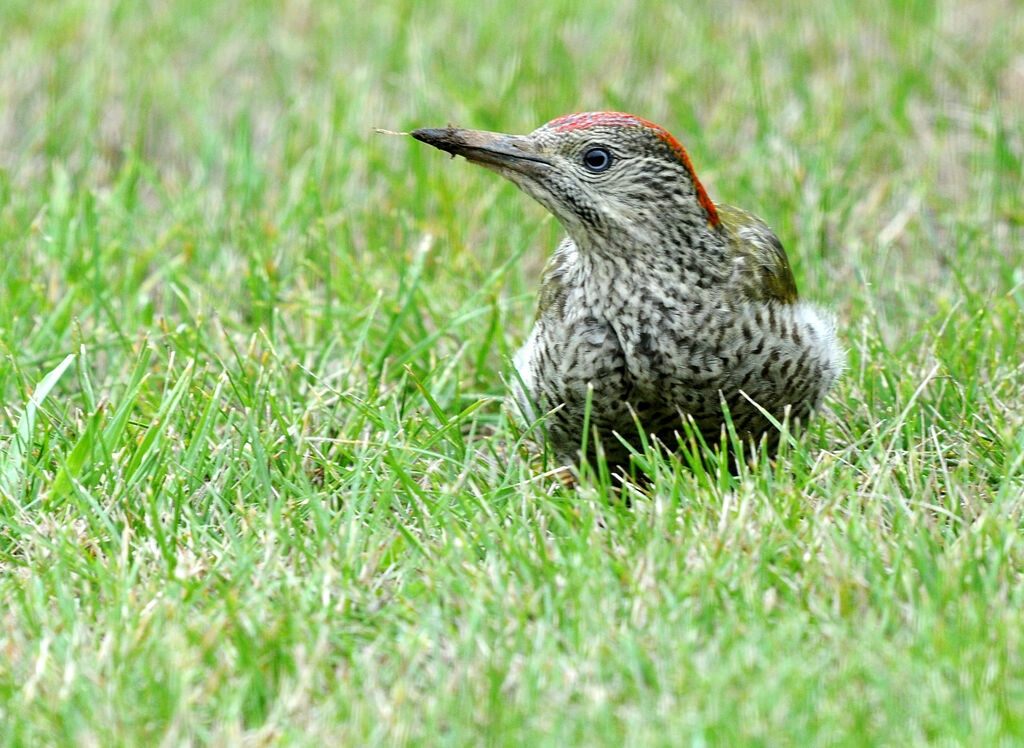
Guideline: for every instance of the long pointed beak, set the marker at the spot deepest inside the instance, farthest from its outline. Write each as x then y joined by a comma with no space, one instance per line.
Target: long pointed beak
493,150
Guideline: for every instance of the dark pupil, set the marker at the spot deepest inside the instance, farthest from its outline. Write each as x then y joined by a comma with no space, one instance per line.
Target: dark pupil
597,159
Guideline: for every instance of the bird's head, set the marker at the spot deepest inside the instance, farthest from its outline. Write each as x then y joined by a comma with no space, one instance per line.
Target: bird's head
606,176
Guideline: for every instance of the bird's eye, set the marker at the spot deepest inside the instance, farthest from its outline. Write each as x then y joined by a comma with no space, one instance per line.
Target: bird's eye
597,159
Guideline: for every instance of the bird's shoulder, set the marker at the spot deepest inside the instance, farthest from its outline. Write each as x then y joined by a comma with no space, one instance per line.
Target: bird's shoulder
762,267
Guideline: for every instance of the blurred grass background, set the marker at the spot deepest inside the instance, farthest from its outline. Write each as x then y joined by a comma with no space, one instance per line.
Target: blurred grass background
256,505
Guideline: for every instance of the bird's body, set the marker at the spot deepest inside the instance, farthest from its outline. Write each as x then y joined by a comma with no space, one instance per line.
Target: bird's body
659,305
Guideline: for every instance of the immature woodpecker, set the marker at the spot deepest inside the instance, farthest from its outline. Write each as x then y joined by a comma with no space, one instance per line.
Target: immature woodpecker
667,305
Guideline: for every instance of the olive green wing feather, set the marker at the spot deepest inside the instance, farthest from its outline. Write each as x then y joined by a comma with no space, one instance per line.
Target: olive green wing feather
763,269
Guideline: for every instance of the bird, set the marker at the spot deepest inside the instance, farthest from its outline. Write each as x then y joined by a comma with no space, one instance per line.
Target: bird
660,307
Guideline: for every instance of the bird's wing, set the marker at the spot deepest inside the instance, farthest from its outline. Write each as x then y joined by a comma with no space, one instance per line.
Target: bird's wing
762,265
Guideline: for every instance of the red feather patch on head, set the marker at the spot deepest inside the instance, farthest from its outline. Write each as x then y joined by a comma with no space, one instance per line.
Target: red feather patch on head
585,120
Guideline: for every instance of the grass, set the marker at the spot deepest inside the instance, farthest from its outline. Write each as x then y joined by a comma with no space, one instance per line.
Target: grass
251,358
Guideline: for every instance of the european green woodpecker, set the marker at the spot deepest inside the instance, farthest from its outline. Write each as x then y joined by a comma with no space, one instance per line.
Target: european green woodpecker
659,305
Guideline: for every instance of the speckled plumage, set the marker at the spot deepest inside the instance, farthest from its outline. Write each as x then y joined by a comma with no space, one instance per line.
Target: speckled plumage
664,302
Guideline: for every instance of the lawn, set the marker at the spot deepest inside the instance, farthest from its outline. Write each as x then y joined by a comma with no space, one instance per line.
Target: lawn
256,482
